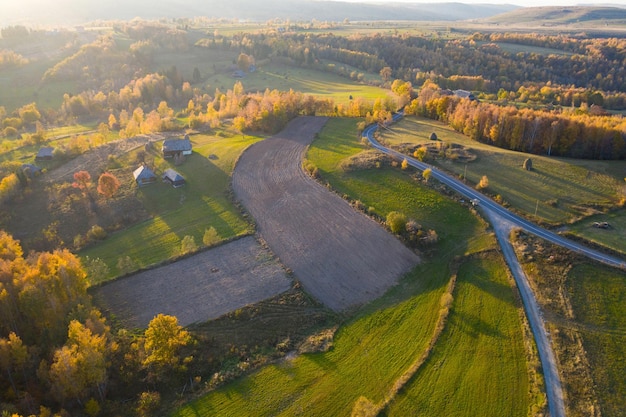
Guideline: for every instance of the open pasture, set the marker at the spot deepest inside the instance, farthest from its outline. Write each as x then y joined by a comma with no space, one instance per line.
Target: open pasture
557,190
479,358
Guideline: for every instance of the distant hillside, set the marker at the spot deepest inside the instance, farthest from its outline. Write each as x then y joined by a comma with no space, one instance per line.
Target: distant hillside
72,12
562,15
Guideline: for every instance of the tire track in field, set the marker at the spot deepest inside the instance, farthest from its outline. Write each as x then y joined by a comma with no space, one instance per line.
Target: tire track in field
341,257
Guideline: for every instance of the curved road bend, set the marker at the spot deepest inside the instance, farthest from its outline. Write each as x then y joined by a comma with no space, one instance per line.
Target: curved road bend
503,221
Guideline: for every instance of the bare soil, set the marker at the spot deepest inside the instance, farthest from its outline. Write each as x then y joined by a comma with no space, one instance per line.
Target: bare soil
199,288
340,256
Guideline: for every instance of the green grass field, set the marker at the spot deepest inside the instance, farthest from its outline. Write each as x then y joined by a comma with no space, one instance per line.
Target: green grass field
598,296
559,190
202,203
376,346
478,366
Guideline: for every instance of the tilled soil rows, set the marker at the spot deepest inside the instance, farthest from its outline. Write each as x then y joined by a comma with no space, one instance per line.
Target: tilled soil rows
199,288
341,257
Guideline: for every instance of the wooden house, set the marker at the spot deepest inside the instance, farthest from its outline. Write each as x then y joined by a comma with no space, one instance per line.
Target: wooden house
174,178
44,154
176,147
144,176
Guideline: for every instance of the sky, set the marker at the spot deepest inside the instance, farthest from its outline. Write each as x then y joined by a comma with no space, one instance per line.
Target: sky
523,3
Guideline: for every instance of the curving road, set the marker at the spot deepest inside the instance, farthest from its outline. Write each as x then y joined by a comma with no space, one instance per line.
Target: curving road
491,205
503,221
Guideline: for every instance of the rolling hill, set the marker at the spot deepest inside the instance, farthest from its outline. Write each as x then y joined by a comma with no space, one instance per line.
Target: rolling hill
73,12
562,15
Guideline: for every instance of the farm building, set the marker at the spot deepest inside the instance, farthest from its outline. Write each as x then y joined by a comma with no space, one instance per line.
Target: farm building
144,176
465,94
44,154
31,170
173,178
176,147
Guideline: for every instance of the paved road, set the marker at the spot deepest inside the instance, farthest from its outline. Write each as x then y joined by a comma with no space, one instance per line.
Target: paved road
488,203
503,221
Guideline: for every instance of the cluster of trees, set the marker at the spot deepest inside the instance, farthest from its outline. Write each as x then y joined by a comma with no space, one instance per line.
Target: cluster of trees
558,132
10,59
476,63
410,230
58,354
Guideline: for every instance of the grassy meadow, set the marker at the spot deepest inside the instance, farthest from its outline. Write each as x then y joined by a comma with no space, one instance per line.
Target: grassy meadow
556,191
377,345
477,358
598,296
202,203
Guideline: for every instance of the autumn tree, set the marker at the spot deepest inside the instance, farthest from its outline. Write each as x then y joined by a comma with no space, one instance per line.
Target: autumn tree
385,73
82,181
13,358
80,365
164,339
108,184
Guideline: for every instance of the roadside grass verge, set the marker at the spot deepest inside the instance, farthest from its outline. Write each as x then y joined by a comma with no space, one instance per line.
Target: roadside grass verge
203,202
584,304
614,237
559,190
598,296
377,344
478,366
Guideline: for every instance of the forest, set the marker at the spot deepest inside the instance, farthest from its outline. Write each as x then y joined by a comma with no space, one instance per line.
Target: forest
58,354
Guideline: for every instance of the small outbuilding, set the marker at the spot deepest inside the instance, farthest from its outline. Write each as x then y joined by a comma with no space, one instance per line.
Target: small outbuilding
144,176
45,154
465,94
31,170
174,178
176,147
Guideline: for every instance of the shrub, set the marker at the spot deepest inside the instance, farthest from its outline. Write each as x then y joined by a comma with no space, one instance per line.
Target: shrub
396,222
426,174
484,183
211,237
188,245
97,270
96,233
126,265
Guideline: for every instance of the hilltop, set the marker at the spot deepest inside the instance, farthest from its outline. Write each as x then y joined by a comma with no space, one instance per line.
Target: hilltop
80,11
562,15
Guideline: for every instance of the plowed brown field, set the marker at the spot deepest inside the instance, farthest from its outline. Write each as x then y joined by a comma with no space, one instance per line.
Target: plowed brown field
341,257
199,288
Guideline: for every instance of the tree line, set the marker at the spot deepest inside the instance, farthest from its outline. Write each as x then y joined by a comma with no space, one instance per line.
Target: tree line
562,132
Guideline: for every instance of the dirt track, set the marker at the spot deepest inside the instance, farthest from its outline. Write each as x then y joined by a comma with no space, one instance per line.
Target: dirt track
340,256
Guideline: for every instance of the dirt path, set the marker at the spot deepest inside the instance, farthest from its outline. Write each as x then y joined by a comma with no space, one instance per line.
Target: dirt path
199,288
554,390
340,256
